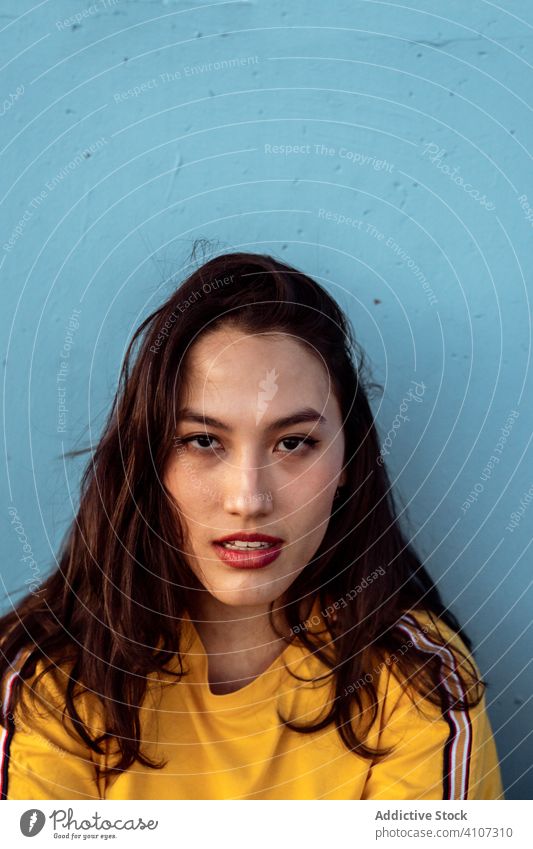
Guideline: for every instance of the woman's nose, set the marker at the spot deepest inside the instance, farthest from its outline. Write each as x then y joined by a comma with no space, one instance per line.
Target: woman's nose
247,491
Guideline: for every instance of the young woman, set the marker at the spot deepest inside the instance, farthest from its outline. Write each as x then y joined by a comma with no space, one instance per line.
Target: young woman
236,613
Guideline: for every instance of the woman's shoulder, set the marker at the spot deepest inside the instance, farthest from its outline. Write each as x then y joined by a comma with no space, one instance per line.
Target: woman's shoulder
45,752
42,690
431,634
430,662
433,718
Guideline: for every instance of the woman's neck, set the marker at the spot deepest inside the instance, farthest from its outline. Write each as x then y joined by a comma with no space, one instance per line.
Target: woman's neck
240,642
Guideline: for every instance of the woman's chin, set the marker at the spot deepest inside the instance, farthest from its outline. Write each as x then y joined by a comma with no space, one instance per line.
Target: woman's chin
247,590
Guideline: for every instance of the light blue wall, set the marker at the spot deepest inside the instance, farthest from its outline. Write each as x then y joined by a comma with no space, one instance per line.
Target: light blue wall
410,103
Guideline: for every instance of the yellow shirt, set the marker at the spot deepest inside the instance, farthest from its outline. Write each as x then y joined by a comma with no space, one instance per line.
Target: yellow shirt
232,746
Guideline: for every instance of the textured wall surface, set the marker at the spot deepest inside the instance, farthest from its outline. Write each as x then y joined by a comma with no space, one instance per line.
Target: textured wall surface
384,148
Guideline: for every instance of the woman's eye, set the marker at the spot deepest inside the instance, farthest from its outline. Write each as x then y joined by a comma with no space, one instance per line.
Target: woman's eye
301,440
201,437
204,445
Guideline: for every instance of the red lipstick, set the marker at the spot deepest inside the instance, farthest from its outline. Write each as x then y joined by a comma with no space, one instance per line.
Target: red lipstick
248,558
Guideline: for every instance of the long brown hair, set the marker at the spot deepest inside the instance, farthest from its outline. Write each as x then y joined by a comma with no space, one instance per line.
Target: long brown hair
113,607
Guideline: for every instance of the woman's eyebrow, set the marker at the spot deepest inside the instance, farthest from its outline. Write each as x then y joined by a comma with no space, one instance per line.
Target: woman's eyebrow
308,414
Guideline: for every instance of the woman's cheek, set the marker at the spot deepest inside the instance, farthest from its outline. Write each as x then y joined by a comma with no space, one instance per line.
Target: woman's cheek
317,488
311,500
191,486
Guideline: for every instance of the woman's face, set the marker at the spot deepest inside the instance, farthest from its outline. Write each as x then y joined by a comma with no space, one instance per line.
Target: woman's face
248,472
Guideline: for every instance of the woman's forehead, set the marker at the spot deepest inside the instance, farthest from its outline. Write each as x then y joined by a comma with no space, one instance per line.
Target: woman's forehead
255,362
231,375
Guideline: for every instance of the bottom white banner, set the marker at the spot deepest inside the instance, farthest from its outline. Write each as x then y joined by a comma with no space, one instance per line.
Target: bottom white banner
277,824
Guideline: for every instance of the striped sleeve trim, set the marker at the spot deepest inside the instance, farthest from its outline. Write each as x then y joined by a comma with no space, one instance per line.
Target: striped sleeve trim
458,747
7,736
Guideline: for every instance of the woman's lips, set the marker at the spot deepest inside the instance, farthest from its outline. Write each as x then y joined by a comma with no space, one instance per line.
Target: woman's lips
252,558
